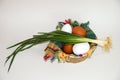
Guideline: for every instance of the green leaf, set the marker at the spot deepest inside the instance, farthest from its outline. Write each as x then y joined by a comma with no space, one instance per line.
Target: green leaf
90,33
75,24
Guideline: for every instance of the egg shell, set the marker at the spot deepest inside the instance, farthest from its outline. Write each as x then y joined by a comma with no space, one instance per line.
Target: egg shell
78,30
81,48
67,28
68,48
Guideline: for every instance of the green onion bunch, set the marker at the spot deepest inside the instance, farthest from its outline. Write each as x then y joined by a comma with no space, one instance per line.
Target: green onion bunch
58,36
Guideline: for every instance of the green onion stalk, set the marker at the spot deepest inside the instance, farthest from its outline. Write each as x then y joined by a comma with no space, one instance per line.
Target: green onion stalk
59,36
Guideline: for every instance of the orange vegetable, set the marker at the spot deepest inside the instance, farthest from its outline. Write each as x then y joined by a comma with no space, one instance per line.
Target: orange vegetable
67,48
79,31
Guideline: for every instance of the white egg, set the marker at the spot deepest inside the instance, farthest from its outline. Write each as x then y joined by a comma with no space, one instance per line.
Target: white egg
67,28
81,48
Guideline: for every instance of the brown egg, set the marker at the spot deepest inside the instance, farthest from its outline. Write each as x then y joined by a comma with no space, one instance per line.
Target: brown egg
67,48
79,31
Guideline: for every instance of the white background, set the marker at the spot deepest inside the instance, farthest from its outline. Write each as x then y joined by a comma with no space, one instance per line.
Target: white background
20,19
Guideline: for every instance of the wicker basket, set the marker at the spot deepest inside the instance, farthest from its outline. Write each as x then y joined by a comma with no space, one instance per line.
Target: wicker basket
54,51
